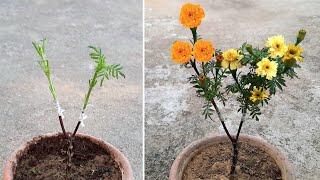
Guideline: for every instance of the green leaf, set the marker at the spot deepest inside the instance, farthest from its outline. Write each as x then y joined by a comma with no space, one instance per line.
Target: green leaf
102,71
45,65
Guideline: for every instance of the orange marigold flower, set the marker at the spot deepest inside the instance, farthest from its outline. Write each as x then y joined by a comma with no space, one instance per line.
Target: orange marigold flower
181,52
203,51
191,15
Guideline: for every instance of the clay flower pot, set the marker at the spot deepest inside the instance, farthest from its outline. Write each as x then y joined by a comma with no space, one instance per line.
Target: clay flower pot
118,157
182,160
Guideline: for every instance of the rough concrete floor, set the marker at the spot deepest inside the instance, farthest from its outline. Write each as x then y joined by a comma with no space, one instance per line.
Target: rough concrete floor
26,109
173,117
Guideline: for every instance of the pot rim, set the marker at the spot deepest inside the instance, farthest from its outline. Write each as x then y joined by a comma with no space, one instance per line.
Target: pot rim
116,154
188,152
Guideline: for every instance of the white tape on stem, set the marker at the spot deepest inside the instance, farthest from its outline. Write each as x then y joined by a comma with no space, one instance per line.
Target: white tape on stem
82,117
59,109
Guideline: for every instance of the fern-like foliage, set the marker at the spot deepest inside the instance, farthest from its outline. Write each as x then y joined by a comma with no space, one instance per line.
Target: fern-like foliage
102,71
45,65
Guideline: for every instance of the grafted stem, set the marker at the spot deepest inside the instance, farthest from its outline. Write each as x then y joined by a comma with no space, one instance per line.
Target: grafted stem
69,152
235,144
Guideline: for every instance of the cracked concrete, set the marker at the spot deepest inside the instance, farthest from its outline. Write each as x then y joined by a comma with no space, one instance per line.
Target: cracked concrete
26,110
173,112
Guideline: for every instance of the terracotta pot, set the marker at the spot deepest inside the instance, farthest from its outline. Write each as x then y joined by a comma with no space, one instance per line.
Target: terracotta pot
114,152
187,153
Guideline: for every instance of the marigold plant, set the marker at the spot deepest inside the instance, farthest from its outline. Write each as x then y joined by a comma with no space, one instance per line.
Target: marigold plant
257,72
102,71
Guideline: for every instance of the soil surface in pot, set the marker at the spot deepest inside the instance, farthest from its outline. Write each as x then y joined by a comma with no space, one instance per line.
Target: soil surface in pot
214,162
48,160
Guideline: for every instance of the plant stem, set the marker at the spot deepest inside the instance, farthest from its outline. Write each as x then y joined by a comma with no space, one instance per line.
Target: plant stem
235,144
91,85
234,158
62,126
51,87
194,34
236,140
203,70
234,75
239,129
221,120
54,95
193,64
69,152
76,129
93,81
216,78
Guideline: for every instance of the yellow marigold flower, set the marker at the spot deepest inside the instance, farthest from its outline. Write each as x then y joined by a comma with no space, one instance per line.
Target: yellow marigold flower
276,45
267,68
258,94
191,15
231,58
293,52
203,51
181,52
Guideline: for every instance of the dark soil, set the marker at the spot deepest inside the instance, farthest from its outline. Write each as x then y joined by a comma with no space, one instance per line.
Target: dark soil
214,162
48,160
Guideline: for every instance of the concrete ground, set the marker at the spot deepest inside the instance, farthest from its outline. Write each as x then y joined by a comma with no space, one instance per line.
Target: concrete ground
26,109
173,112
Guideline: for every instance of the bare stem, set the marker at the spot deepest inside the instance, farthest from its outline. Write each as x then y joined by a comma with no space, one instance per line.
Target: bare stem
62,126
70,152
221,120
194,65
235,144
241,122
76,129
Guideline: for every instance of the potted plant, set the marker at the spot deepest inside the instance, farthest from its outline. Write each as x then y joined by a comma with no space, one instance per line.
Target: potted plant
70,155
253,76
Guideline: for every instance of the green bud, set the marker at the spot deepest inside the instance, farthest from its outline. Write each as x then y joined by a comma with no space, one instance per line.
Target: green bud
249,48
301,34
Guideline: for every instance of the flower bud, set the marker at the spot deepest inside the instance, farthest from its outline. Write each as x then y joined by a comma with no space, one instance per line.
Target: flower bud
202,79
249,48
301,34
219,58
